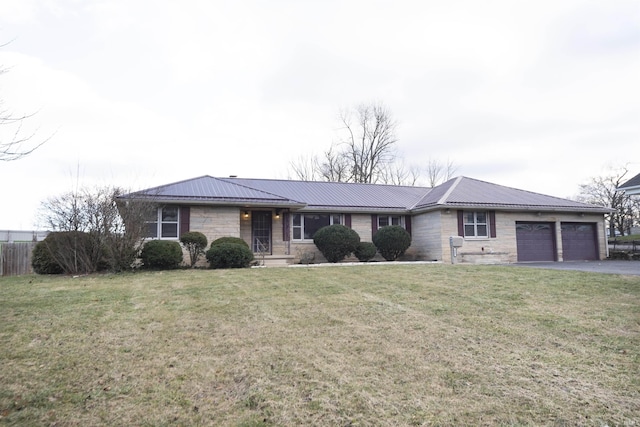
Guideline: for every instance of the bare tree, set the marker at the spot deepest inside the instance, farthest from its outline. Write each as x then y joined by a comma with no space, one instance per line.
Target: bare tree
305,168
17,145
115,228
400,174
438,172
334,166
370,138
601,190
366,153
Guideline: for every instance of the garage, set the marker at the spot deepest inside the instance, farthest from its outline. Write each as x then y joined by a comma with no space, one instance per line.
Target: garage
536,241
579,241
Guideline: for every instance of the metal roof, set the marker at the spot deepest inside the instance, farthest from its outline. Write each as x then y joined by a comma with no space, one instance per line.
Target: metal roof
631,184
469,192
354,197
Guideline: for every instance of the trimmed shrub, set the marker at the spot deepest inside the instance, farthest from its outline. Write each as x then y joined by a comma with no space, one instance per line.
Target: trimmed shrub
43,262
70,252
229,255
161,255
195,242
365,251
392,241
236,240
336,242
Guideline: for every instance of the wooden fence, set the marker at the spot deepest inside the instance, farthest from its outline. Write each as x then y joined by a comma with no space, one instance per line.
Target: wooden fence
15,258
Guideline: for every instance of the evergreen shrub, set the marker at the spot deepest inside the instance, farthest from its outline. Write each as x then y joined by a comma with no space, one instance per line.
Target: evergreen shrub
336,242
392,241
365,251
43,262
161,255
229,255
229,239
195,242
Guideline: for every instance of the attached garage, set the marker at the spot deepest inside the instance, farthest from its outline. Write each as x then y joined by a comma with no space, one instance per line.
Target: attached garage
536,241
579,241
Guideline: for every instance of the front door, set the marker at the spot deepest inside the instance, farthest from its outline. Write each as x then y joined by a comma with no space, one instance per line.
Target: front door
261,231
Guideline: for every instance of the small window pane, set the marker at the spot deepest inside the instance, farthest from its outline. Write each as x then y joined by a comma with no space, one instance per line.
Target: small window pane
296,219
170,214
482,230
395,220
170,230
481,217
383,221
297,233
469,217
336,219
469,231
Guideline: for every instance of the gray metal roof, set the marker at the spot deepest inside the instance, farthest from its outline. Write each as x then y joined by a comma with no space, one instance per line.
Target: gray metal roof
632,183
469,192
315,195
339,194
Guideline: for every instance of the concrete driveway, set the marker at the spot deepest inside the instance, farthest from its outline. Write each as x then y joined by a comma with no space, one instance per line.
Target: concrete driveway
606,266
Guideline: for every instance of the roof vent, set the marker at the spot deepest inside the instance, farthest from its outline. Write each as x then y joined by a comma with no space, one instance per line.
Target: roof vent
233,176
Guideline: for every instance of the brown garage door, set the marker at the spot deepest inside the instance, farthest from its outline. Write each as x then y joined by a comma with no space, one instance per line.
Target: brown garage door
536,241
579,241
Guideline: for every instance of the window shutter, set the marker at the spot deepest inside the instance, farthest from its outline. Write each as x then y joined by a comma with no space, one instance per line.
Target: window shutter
347,220
374,225
492,223
185,219
407,224
286,234
461,223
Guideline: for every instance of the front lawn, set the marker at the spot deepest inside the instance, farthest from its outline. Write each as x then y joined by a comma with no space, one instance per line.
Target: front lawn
377,345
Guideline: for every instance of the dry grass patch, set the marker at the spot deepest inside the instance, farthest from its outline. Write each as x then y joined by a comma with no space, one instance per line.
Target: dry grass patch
365,345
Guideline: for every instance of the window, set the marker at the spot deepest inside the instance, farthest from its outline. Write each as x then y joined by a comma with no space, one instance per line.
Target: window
305,225
384,220
475,224
164,223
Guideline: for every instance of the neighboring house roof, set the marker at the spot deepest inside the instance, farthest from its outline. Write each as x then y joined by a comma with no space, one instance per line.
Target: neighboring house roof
632,186
461,192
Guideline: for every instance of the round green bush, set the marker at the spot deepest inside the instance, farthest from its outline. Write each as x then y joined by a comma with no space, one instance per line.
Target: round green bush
195,242
365,251
229,239
229,255
392,241
42,261
336,242
161,255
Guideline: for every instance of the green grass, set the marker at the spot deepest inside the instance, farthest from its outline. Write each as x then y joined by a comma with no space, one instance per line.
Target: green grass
366,345
627,238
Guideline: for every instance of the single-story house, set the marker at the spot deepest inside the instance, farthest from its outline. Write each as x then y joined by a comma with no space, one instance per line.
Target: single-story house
278,218
631,187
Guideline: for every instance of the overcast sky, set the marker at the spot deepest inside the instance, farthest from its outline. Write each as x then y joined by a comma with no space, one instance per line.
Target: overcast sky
538,95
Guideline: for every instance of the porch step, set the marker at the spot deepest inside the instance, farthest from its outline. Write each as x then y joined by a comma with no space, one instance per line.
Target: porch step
274,260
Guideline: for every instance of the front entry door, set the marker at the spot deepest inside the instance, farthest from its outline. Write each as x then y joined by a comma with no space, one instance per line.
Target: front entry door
261,231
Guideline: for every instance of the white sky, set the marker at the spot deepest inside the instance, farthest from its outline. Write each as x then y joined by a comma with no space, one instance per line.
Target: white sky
539,95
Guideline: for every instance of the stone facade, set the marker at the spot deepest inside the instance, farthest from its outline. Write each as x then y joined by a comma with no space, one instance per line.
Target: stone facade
503,248
430,234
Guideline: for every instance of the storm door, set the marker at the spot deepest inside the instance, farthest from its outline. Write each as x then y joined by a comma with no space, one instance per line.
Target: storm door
261,231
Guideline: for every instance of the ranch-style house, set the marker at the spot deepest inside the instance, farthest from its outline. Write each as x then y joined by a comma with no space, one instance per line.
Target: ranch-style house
278,218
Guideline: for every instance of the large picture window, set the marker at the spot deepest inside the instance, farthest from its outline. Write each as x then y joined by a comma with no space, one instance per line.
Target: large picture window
163,224
475,224
304,226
